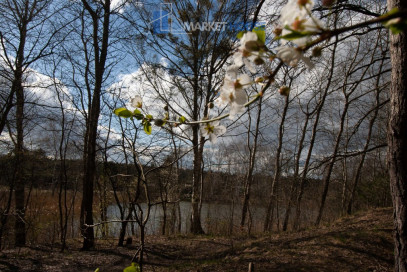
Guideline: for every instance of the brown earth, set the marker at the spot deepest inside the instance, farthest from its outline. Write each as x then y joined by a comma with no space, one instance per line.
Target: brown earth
362,242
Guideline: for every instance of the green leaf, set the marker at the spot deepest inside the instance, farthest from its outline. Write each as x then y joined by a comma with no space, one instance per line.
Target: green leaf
293,35
396,25
391,12
97,270
240,34
123,112
182,119
149,117
147,127
397,29
137,113
261,33
134,267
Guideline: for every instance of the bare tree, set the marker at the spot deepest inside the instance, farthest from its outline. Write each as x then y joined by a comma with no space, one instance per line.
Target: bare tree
268,220
24,41
252,160
194,65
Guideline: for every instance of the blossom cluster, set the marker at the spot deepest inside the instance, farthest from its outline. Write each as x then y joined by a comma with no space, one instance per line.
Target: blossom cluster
296,33
298,27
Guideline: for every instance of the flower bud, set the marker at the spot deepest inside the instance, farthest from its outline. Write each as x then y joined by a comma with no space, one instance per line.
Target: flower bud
298,25
166,107
258,61
159,123
328,3
284,90
302,2
317,52
259,80
252,46
211,105
277,31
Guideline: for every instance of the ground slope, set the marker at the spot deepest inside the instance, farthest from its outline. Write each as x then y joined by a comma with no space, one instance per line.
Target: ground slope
362,242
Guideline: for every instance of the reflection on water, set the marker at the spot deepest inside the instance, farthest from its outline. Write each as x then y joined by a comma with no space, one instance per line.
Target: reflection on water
215,218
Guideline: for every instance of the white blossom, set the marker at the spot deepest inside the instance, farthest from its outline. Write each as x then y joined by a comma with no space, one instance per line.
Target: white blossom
296,16
249,42
291,56
212,130
310,25
137,102
293,10
248,52
232,91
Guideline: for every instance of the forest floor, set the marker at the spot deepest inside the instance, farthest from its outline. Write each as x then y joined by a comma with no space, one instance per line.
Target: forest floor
362,242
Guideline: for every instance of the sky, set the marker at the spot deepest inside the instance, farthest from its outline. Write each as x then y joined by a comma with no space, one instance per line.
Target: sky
127,81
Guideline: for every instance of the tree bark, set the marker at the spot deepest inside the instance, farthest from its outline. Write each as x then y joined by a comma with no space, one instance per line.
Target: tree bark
92,121
294,185
196,226
397,140
249,175
17,88
268,221
19,177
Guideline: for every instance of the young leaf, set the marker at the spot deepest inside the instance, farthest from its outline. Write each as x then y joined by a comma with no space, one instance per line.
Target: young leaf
182,119
294,35
261,33
123,112
138,114
240,34
134,267
391,12
396,25
147,127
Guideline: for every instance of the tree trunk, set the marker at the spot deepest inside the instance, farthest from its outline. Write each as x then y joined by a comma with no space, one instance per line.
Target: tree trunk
249,176
268,221
366,147
319,108
294,185
397,141
93,119
327,177
19,177
196,226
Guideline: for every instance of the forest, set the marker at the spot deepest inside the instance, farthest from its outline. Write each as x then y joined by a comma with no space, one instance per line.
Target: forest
126,125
